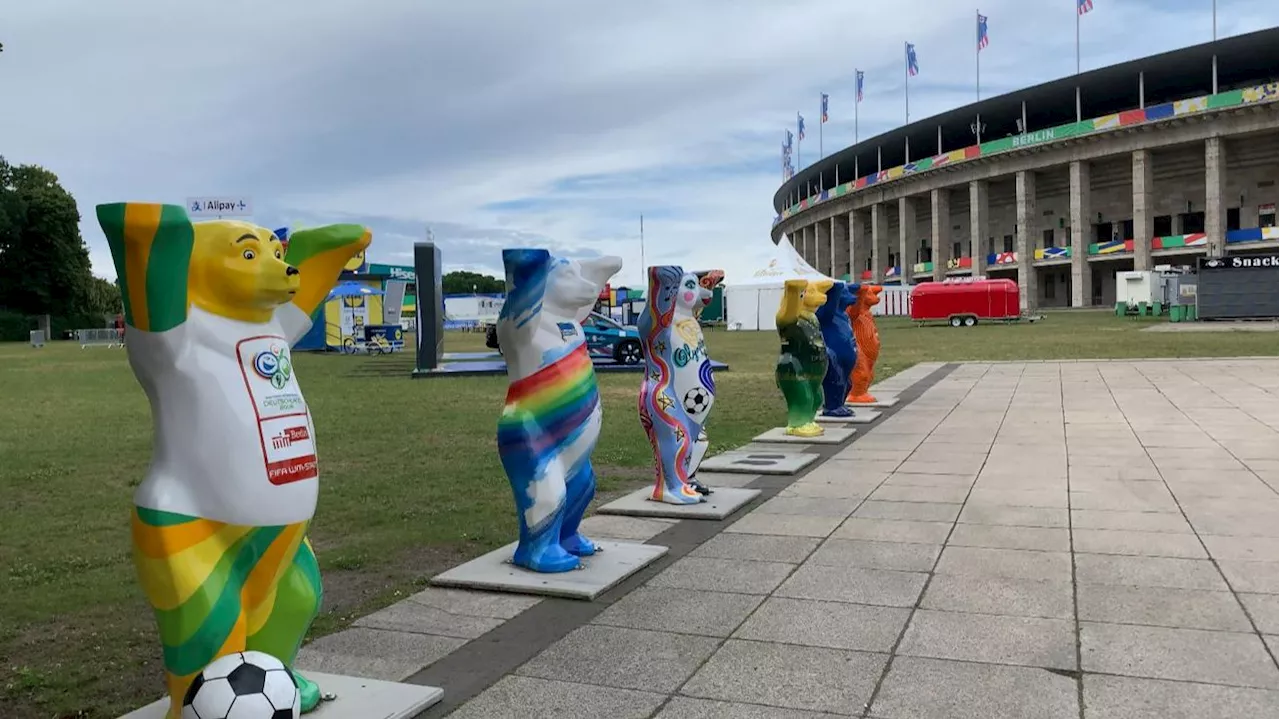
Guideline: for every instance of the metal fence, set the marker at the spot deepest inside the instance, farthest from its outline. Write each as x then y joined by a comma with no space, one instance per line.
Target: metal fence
103,337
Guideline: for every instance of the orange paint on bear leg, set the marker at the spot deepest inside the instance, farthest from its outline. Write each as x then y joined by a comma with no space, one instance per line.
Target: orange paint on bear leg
868,340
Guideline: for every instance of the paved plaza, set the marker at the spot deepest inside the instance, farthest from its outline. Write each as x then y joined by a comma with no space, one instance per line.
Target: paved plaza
1055,539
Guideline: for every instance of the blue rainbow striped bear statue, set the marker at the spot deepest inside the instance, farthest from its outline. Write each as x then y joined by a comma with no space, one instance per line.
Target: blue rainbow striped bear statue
551,418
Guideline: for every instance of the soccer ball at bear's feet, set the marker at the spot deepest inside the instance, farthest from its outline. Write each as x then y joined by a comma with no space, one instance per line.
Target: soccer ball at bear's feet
244,685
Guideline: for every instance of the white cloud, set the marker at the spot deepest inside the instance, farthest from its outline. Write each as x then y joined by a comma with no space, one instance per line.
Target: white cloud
406,114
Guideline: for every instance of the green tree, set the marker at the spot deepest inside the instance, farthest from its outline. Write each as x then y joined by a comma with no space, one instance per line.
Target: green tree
44,263
104,297
462,282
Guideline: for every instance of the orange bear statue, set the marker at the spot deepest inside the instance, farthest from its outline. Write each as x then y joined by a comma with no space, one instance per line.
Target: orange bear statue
868,339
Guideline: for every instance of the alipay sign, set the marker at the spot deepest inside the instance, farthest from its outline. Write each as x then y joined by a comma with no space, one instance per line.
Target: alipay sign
219,207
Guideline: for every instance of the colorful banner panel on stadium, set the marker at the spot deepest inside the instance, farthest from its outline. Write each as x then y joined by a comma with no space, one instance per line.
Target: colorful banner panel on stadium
1155,113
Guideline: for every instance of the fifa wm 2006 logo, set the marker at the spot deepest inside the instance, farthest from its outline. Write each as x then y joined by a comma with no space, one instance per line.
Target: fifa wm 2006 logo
273,365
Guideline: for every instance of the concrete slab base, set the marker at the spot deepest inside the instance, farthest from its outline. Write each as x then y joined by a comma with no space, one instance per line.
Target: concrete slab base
716,480
860,416
767,447
355,698
763,462
722,502
833,435
494,572
880,402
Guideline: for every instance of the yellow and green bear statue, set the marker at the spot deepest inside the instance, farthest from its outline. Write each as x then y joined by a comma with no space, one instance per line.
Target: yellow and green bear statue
803,361
220,520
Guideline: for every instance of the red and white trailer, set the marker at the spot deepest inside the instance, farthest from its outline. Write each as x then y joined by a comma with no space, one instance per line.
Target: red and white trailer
964,303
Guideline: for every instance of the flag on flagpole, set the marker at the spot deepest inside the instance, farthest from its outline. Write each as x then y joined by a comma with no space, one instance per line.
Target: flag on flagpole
983,40
913,67
1083,6
799,127
790,137
857,84
825,98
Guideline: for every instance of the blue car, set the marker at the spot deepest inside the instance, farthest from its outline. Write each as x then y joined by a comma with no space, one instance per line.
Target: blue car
609,339
606,339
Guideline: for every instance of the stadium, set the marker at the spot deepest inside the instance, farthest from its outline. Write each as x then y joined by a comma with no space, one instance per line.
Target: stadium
1150,162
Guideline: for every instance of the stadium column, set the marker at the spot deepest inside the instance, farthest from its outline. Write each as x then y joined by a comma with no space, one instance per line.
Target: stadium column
859,249
822,248
1215,216
1081,231
879,240
804,243
840,246
1143,201
906,237
940,201
1028,288
978,214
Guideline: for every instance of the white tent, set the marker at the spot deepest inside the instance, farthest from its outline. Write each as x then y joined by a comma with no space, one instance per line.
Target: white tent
753,303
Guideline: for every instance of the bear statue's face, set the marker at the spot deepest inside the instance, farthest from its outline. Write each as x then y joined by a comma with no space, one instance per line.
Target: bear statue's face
568,289
846,298
869,295
238,271
691,294
815,294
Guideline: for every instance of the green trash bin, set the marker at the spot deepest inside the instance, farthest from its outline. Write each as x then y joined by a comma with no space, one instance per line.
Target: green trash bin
1120,309
1192,314
1175,313
1143,309
1157,309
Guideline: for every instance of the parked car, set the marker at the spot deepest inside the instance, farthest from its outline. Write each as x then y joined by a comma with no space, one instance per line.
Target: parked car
606,338
964,303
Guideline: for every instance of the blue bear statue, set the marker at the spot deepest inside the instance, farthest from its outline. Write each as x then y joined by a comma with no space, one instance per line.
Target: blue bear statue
842,351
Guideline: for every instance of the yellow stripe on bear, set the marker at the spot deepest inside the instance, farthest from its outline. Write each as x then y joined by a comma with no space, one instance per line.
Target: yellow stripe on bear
258,597
163,541
170,580
141,221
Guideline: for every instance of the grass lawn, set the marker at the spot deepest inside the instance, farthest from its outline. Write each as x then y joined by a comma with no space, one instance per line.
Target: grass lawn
411,480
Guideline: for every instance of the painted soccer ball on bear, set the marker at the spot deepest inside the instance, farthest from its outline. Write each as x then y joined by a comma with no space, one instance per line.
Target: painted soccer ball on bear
244,685
697,401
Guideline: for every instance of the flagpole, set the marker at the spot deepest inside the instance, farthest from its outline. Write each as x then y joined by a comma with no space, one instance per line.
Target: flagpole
1077,62
822,120
856,101
977,58
642,266
1215,55
1077,37
906,76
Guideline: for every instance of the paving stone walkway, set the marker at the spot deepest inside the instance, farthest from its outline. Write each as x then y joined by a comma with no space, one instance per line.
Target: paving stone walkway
1056,539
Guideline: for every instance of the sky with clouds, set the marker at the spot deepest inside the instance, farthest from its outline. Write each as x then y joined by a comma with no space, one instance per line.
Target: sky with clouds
502,123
